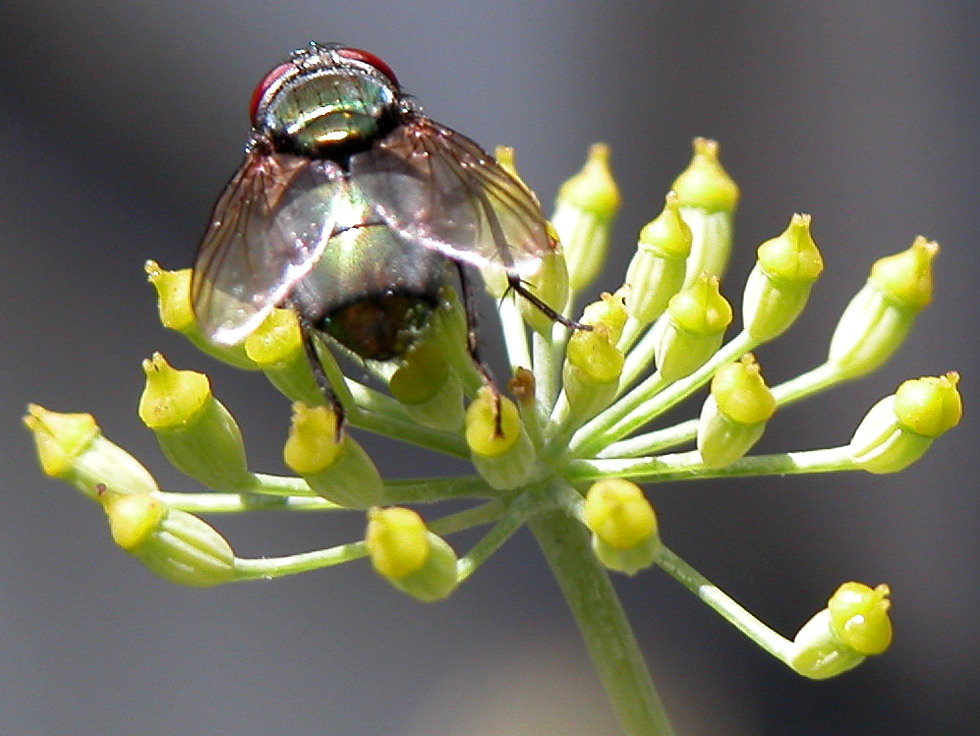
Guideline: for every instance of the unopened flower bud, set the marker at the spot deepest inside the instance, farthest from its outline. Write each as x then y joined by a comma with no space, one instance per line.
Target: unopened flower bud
171,543
174,304
584,211
854,625
657,269
408,555
448,332
734,415
591,372
71,447
692,328
196,433
548,282
334,465
623,525
899,429
276,346
859,615
930,405
609,311
779,285
708,197
428,388
500,448
881,314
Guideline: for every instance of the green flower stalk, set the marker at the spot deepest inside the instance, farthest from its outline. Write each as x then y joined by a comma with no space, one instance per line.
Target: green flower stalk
565,456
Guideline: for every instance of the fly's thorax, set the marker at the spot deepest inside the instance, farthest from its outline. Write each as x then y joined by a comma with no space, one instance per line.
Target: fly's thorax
372,291
329,113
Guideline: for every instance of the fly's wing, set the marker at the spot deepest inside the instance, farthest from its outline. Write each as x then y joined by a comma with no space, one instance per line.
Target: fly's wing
268,228
440,189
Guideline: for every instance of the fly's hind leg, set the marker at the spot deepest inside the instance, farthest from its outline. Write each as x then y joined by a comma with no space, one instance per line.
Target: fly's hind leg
307,329
473,342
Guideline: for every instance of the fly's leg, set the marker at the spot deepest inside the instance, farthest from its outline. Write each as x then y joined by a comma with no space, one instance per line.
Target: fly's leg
473,343
514,282
316,367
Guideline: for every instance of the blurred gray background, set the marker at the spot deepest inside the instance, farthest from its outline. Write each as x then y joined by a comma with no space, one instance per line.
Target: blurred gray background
121,121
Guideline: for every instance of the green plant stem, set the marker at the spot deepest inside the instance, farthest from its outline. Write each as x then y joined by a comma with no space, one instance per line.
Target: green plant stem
688,466
266,568
724,605
602,622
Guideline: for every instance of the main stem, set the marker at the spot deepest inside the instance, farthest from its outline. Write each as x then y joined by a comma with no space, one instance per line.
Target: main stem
602,621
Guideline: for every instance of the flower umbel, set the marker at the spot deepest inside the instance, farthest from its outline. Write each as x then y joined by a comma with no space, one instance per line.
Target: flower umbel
565,457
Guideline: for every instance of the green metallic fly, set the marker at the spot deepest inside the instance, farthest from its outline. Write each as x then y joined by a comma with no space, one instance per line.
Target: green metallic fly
353,208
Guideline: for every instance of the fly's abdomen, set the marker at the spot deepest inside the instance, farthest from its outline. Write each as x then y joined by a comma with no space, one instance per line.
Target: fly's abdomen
372,291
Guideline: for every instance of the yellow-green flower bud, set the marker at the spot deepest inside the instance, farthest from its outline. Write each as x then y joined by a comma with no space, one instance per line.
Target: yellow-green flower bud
708,197
818,653
174,304
881,314
779,285
500,448
584,211
657,269
930,405
448,333
276,346
691,329
408,555
591,372
334,465
71,447
734,415
173,544
549,282
854,625
623,525
899,429
196,433
430,391
609,311
859,616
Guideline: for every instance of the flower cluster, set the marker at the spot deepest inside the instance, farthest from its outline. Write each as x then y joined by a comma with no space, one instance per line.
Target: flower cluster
564,454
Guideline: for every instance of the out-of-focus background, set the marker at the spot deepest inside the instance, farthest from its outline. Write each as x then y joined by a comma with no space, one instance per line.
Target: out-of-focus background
119,124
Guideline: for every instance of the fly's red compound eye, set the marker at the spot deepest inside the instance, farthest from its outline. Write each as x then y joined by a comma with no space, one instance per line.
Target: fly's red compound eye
370,59
263,86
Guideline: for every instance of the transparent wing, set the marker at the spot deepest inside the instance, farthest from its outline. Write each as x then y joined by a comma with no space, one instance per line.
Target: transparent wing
440,189
268,228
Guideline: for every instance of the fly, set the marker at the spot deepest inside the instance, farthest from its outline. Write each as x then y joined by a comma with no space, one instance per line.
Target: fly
353,209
